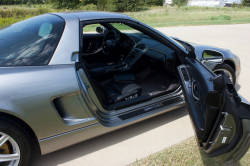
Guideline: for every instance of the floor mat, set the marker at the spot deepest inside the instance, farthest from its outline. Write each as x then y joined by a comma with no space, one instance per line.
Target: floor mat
155,81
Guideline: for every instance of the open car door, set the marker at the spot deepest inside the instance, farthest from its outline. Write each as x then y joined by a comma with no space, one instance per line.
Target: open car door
220,117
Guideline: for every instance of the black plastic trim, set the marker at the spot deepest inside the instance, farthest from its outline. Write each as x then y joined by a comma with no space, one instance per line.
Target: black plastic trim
142,111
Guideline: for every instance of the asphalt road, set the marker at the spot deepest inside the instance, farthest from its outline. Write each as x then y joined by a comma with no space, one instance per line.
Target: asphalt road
142,139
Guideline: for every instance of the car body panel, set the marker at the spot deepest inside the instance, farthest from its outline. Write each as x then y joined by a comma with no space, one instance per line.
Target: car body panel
84,16
69,40
57,142
27,92
228,56
216,111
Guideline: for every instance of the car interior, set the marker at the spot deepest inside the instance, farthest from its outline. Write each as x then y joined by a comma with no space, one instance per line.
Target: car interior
126,66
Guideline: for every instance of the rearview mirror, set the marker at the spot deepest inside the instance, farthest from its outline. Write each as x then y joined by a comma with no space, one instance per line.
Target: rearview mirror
100,29
212,56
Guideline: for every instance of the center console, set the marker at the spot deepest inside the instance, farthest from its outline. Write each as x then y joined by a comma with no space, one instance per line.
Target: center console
135,54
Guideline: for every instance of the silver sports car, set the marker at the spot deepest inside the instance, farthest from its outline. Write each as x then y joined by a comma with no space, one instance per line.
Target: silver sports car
69,77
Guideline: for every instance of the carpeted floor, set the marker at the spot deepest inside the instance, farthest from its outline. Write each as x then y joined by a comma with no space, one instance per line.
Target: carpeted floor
155,81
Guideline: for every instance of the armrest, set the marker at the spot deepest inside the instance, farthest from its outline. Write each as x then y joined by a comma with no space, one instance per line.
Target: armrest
123,78
98,70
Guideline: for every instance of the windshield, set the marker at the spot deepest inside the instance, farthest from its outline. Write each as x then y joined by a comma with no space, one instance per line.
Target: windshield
30,42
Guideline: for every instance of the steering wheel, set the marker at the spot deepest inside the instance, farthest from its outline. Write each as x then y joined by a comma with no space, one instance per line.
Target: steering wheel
109,45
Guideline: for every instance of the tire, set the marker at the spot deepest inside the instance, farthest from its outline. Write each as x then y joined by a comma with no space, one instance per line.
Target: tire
228,69
18,142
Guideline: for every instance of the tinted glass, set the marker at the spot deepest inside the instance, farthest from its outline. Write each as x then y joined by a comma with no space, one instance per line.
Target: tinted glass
30,42
125,28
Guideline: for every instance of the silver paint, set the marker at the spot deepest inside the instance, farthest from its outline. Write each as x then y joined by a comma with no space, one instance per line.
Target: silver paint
27,92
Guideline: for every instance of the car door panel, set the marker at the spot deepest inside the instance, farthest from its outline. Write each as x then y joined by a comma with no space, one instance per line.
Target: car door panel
92,44
91,41
193,73
218,115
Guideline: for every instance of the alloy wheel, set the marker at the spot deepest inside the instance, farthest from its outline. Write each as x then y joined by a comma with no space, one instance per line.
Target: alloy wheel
217,71
9,150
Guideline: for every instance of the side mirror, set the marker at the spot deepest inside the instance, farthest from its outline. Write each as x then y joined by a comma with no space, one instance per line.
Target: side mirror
212,56
100,29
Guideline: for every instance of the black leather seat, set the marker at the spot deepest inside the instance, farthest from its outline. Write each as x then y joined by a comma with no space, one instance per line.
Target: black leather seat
113,92
124,91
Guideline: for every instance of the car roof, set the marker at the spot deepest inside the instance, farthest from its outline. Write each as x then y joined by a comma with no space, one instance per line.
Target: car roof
90,15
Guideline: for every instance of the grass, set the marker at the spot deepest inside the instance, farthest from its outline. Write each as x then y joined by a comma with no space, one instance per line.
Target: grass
154,16
183,16
184,153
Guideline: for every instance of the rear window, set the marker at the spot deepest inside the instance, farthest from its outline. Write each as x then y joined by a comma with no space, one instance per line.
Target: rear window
31,42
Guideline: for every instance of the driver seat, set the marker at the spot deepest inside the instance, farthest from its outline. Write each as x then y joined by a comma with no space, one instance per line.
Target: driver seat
113,92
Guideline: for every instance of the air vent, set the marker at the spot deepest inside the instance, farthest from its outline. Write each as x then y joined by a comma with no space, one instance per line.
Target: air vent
171,65
185,75
184,71
141,46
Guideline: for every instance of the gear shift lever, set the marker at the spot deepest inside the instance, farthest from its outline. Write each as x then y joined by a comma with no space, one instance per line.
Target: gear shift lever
121,60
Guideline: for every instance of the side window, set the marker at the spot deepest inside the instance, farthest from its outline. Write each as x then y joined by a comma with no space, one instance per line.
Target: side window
45,30
91,28
31,42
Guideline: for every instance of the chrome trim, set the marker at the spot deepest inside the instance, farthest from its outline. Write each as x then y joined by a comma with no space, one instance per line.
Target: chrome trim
76,121
58,135
212,61
224,129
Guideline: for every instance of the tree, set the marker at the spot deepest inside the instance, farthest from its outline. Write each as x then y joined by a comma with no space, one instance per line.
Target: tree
68,4
17,2
87,2
154,2
123,5
101,4
246,3
179,2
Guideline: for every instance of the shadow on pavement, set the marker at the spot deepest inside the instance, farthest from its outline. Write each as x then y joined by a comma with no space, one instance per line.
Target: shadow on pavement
109,139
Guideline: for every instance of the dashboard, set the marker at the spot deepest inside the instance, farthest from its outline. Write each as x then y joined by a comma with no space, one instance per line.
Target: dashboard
126,41
138,47
140,50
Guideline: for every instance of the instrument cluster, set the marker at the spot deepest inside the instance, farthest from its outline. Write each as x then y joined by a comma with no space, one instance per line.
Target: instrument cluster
126,42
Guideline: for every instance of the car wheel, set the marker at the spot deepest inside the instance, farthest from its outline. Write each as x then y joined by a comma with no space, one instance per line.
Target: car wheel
227,69
14,145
